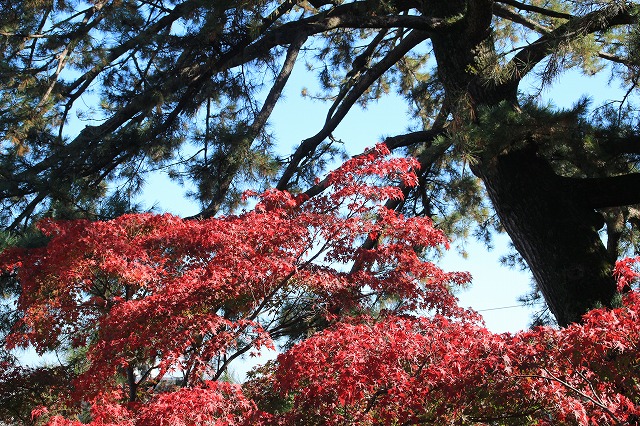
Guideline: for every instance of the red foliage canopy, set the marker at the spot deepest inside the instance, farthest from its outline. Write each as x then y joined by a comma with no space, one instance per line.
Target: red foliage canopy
161,306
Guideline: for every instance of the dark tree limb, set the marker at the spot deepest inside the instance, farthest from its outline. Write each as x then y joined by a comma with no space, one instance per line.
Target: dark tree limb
308,146
613,58
256,127
421,137
525,60
614,191
536,9
350,15
358,66
621,145
506,13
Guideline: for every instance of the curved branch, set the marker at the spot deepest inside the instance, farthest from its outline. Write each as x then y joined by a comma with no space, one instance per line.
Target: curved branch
351,15
189,78
506,13
433,151
308,146
600,20
256,127
358,66
536,9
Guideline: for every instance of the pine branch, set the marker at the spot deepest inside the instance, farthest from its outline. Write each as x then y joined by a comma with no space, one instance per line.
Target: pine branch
351,15
308,146
614,58
533,54
506,13
621,145
614,191
536,9
257,126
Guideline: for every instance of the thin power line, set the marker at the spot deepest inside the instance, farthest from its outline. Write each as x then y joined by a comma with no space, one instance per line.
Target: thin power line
501,307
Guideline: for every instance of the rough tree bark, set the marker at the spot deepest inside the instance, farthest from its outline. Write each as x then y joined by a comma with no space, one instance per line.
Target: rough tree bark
553,229
550,224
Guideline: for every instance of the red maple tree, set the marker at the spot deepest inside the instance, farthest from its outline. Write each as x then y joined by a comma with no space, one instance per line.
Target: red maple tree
159,307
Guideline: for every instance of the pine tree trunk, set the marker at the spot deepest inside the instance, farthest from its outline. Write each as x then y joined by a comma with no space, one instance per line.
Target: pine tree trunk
550,226
553,230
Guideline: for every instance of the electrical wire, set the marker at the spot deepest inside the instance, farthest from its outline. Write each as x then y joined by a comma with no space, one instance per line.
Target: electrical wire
501,307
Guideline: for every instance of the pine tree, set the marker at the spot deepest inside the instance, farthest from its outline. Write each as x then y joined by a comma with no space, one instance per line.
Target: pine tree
158,76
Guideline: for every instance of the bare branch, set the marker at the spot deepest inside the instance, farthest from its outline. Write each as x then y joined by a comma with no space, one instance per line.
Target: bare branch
536,9
258,124
308,146
506,13
611,191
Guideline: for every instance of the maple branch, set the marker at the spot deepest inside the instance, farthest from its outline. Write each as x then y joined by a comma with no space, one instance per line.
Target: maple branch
286,322
239,352
553,378
593,390
131,383
285,280
372,400
392,142
430,154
